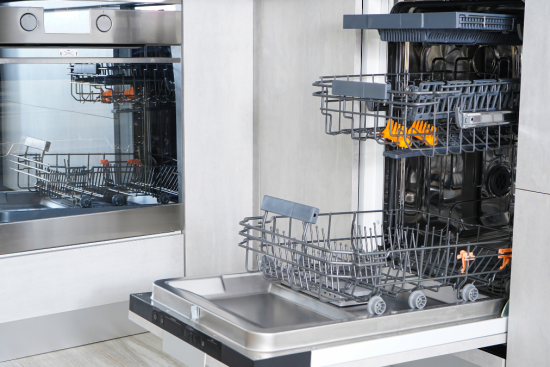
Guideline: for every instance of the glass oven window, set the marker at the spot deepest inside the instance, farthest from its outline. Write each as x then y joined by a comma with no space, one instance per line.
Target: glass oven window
82,137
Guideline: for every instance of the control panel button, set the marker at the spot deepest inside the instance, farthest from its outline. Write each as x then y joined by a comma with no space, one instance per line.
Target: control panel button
104,23
28,22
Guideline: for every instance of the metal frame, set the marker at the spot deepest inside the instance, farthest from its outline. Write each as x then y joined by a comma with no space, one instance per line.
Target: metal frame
95,225
148,28
372,260
422,113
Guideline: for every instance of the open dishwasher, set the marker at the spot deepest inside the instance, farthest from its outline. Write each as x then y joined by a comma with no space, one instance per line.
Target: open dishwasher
426,274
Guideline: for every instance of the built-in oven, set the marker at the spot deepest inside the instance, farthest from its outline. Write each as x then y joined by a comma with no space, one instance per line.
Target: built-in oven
90,122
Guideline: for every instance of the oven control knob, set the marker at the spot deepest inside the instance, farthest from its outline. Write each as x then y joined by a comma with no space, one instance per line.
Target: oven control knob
104,23
28,22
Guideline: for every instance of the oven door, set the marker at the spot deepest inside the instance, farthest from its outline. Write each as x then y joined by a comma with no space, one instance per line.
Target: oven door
90,125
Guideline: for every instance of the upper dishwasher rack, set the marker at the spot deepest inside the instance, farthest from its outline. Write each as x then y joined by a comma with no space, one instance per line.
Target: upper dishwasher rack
422,114
450,27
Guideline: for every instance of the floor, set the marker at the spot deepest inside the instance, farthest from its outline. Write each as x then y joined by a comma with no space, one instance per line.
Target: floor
142,350
145,350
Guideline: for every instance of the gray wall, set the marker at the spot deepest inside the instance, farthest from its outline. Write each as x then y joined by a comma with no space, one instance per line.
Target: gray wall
528,336
218,130
251,125
298,41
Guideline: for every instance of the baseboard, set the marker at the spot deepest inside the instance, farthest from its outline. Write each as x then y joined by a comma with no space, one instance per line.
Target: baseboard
23,338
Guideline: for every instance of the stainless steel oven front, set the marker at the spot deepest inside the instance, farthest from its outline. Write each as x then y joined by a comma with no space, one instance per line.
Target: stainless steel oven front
90,122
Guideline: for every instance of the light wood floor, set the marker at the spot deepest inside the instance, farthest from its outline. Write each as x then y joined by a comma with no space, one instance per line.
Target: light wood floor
143,350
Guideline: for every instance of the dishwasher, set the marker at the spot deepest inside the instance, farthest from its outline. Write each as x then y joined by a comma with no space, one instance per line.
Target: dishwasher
429,269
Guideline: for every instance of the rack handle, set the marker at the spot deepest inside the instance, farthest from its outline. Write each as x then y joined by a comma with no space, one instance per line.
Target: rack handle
361,89
290,209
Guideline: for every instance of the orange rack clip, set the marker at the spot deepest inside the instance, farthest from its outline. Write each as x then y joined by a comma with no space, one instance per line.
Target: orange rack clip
466,258
395,132
135,162
107,96
423,131
506,256
104,162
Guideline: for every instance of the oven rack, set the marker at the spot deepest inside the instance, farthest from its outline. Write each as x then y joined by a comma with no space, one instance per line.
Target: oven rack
355,257
123,83
422,114
85,178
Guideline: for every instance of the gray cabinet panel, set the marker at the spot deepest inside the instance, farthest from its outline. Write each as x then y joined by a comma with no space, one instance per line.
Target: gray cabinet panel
534,150
297,160
528,336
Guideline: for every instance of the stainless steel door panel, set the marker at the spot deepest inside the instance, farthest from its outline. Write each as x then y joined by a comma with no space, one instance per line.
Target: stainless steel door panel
128,27
268,330
77,229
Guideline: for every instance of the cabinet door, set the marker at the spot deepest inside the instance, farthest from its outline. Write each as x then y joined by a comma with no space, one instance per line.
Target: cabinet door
528,329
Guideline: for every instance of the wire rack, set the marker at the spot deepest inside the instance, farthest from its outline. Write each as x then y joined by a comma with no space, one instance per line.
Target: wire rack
122,83
353,257
422,113
84,178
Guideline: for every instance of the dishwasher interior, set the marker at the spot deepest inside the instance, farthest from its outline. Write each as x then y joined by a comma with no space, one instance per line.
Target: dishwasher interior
437,253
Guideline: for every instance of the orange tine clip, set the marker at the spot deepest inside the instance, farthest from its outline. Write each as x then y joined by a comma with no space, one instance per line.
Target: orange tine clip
506,256
466,258
104,162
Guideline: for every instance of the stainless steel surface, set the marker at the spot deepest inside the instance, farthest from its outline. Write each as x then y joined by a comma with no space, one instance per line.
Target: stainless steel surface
29,22
156,237
25,200
480,119
224,302
128,27
104,23
70,230
88,60
44,334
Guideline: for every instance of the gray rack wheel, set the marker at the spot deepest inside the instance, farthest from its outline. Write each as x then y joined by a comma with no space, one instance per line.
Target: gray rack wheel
417,299
117,200
469,293
164,198
86,202
376,306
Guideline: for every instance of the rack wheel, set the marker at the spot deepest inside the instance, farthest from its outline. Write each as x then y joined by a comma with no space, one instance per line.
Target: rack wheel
469,293
376,306
164,198
417,299
117,200
86,202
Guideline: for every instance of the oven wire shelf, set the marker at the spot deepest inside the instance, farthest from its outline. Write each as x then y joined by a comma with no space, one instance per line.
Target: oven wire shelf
85,178
422,114
137,84
355,257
